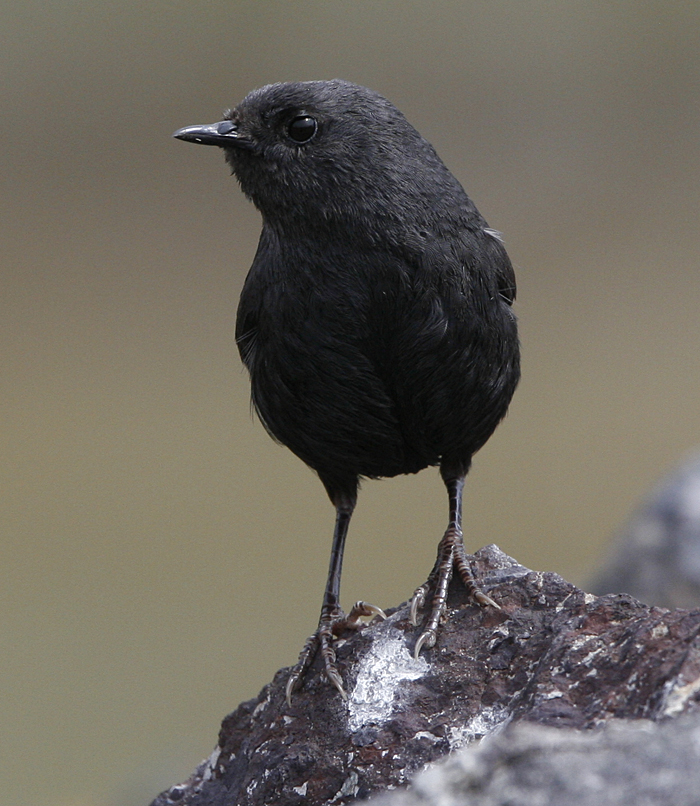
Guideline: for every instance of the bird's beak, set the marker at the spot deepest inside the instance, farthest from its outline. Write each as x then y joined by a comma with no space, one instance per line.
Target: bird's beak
225,133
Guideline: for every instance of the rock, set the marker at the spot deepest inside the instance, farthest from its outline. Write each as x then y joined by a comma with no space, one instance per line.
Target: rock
625,762
554,655
656,557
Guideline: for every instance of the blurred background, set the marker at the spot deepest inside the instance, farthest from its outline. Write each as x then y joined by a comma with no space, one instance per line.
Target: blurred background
160,557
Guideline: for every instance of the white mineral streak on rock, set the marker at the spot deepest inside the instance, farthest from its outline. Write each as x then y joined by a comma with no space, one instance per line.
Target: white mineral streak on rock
382,670
678,695
489,720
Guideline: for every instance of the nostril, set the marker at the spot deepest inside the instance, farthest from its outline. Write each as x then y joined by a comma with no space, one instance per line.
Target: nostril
226,127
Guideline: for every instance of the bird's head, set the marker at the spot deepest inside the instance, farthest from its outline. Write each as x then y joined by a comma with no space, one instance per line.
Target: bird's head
325,151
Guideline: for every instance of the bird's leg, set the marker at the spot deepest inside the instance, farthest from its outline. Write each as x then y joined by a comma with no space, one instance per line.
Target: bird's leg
451,555
332,619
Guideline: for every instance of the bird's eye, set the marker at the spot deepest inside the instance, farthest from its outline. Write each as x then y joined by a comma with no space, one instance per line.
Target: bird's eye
302,128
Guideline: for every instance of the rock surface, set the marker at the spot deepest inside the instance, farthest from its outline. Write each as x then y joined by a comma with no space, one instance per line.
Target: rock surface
656,557
554,655
624,763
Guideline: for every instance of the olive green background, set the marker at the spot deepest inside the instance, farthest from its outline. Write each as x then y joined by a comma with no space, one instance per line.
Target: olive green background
161,557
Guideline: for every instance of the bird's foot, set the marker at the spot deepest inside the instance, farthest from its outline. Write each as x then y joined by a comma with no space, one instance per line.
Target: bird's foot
451,556
331,623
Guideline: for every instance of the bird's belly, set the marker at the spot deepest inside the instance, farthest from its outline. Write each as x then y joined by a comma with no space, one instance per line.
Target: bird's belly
331,409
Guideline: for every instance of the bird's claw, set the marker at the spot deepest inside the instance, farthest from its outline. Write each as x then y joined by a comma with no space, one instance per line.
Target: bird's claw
485,600
334,676
417,602
427,639
289,688
330,624
318,640
359,611
451,557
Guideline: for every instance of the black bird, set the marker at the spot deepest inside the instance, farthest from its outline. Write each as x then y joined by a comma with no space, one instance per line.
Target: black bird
376,319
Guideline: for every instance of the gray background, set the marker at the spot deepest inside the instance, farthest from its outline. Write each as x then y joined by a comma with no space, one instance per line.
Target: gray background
160,556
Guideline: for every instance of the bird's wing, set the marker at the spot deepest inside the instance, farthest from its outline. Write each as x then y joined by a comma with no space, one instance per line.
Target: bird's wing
505,275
